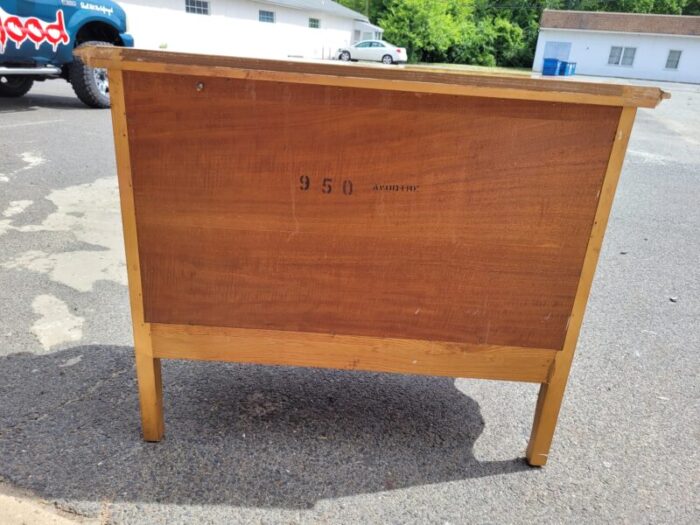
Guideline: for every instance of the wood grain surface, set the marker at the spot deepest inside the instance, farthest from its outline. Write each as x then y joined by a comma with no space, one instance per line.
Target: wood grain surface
465,219
352,352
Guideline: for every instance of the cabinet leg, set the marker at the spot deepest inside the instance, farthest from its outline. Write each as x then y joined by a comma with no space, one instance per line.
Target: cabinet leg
552,392
150,396
546,414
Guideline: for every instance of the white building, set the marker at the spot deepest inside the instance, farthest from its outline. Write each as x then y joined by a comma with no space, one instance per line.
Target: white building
249,28
630,45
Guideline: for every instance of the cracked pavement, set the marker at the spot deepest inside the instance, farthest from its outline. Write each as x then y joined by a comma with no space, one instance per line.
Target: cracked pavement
250,444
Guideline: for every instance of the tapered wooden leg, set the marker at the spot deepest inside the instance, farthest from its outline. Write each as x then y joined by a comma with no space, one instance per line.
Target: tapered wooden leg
147,367
150,396
546,414
552,392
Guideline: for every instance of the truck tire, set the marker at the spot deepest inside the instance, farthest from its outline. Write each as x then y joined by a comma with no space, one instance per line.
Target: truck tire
15,86
90,84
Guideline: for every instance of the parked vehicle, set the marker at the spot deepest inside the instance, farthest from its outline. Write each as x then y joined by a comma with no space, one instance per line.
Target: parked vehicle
37,39
375,51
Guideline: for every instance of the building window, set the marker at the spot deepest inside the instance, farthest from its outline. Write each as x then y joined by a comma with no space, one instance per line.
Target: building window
615,55
197,7
628,56
314,23
621,56
266,16
674,56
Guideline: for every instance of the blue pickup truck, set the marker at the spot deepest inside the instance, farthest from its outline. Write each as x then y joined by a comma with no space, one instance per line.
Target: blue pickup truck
37,40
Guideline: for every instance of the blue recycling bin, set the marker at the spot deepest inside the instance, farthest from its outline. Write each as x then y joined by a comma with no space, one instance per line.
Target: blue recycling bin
567,68
551,66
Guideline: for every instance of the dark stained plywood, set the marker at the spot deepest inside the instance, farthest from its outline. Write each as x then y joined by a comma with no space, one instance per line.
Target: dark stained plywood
467,221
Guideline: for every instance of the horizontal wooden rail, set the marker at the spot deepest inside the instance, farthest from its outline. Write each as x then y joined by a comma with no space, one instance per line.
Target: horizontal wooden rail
351,352
409,79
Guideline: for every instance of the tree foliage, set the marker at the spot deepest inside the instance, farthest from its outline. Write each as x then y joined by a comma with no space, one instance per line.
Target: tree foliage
426,27
692,8
485,32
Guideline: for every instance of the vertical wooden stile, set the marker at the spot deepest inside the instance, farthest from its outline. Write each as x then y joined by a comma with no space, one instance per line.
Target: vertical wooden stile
552,392
148,368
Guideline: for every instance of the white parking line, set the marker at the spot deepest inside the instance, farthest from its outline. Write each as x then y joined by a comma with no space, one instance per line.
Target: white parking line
35,123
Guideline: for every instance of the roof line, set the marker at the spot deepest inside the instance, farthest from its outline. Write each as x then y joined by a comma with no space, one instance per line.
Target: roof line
337,10
618,13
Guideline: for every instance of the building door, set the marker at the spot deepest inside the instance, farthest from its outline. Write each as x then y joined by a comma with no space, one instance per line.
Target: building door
558,50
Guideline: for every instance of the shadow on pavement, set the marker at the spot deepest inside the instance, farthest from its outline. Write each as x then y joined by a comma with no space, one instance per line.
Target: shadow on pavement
235,434
30,102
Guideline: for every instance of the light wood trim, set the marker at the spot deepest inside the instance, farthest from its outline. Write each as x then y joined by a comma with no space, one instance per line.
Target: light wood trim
147,367
126,197
274,347
148,374
419,80
552,390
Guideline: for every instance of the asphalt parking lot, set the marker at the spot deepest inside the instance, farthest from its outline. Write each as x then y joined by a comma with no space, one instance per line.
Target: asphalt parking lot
249,444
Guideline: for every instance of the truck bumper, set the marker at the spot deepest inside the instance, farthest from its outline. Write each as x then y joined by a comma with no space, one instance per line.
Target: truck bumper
41,71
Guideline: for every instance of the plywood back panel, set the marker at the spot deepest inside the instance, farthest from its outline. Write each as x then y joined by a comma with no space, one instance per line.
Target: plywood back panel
362,212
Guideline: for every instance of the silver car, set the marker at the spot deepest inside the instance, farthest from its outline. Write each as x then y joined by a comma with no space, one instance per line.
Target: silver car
374,51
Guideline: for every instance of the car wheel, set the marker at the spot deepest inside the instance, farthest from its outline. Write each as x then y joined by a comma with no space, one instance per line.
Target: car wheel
90,84
15,86
386,59
345,56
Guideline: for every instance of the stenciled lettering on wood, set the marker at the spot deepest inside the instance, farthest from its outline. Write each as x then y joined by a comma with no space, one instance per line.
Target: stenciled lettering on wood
395,187
362,212
327,183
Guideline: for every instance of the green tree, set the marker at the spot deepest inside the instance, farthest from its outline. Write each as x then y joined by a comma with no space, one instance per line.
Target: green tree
361,6
524,14
665,7
427,28
490,42
374,9
506,39
692,8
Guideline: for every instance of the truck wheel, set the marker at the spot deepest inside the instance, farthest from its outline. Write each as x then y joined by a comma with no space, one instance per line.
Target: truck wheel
90,84
15,86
